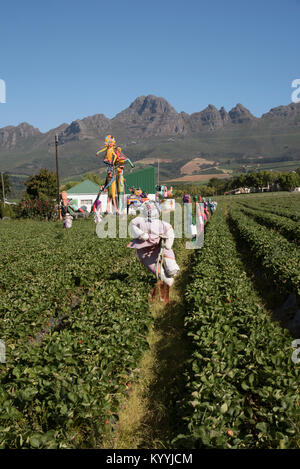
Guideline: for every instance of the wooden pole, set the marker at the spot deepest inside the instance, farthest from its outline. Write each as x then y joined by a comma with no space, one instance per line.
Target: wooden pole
57,176
3,191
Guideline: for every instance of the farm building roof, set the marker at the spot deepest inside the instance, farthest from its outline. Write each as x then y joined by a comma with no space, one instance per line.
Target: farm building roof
84,187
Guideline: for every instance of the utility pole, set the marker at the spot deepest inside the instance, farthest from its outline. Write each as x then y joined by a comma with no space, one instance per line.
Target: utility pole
57,175
158,172
3,192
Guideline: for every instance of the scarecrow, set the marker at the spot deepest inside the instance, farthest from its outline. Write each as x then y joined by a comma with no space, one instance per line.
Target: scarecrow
115,160
66,210
98,211
153,240
136,198
163,192
212,206
206,209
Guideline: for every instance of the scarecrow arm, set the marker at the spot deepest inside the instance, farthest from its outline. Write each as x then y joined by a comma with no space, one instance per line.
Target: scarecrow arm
100,151
130,162
127,160
169,238
136,231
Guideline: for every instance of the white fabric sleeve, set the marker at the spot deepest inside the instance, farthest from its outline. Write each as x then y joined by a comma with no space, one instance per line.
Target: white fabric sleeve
170,238
136,230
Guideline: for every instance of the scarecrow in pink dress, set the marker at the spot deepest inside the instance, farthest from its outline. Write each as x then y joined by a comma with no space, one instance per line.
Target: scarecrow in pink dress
153,240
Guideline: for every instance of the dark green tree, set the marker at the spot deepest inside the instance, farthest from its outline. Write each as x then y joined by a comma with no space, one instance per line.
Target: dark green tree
207,191
42,185
288,181
219,185
238,181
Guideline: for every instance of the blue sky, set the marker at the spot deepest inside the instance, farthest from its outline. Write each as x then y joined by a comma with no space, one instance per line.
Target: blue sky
70,59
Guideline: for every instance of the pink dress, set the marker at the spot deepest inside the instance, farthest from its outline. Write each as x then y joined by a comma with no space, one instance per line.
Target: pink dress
147,243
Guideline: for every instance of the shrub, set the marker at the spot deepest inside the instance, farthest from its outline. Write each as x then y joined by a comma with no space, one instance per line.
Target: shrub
6,211
41,209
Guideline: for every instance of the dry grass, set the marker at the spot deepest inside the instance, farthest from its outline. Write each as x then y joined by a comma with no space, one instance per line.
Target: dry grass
195,164
199,177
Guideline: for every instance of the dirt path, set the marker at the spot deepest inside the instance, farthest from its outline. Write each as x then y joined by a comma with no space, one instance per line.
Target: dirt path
150,417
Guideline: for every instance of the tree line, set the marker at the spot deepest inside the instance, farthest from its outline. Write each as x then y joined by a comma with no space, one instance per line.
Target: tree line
39,198
272,180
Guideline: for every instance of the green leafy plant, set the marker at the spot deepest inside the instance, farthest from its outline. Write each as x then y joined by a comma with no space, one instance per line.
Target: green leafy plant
64,379
241,384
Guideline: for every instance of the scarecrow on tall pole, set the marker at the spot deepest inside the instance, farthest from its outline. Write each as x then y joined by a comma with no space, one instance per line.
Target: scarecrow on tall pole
114,183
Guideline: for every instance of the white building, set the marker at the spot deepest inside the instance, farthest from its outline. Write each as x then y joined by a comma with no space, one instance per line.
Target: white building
85,193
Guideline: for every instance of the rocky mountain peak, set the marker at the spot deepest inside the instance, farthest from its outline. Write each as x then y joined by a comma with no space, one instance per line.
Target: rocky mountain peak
283,112
146,107
151,115
86,128
240,114
209,118
152,104
224,114
11,136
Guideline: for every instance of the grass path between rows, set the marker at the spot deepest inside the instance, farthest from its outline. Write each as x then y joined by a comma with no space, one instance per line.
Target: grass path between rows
150,416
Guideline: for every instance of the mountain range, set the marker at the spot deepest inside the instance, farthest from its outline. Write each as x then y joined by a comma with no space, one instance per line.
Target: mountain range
212,141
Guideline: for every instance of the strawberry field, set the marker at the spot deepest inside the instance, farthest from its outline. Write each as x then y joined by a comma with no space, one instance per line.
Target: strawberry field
243,386
75,318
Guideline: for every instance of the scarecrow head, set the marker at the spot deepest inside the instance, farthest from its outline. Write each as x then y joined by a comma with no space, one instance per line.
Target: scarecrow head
150,210
110,141
64,198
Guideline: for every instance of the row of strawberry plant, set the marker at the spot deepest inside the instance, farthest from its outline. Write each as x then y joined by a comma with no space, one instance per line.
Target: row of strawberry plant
291,201
285,200
44,267
241,382
278,258
280,211
285,226
64,392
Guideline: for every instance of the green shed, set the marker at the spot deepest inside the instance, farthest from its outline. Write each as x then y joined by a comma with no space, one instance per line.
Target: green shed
143,178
